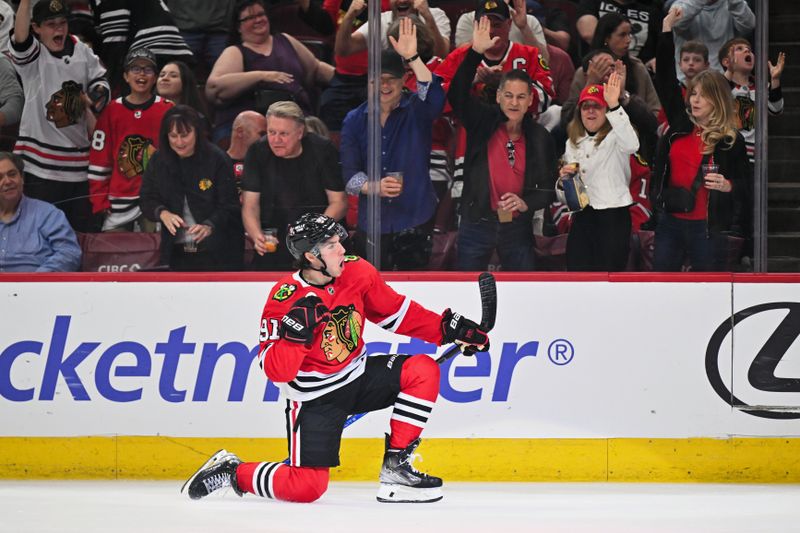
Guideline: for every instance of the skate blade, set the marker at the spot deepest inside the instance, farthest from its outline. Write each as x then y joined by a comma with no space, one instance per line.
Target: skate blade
390,493
214,458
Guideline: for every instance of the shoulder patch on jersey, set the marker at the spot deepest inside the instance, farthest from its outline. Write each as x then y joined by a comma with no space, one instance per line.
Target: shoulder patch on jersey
543,63
351,258
284,292
205,184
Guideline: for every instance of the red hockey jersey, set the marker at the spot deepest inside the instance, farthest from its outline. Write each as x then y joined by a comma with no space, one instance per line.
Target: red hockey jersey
337,355
125,138
518,56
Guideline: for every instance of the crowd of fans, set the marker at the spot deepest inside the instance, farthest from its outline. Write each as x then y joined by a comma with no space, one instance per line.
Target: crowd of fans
623,129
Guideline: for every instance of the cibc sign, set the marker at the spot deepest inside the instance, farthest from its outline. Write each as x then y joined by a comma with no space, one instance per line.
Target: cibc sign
755,384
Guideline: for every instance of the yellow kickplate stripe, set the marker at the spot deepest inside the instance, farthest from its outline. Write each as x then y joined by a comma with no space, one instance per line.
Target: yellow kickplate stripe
751,460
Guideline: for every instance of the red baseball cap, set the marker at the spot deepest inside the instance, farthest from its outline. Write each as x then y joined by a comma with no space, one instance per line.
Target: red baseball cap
593,93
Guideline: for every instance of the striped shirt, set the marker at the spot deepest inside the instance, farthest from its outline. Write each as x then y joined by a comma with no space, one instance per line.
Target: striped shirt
53,141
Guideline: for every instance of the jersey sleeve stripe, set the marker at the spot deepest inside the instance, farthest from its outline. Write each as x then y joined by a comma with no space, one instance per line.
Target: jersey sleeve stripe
414,402
392,322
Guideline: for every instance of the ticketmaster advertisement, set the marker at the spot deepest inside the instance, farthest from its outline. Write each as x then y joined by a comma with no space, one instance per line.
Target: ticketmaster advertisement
567,360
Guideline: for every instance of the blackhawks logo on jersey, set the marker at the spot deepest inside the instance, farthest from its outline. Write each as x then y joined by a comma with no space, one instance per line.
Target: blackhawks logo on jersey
65,107
745,112
350,258
639,159
284,292
341,333
543,63
134,154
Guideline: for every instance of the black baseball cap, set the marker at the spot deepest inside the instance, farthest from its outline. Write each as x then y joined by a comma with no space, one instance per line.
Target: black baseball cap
140,53
49,9
496,8
392,63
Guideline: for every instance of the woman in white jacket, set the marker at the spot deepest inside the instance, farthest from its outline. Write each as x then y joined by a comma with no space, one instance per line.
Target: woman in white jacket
601,140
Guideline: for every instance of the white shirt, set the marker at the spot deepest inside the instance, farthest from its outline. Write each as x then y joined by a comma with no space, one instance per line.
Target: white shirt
464,28
606,168
439,16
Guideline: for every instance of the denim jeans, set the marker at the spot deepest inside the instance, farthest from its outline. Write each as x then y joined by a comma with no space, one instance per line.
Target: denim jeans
512,240
677,238
206,46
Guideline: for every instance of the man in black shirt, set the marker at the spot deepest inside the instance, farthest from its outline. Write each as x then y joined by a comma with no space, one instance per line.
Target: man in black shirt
289,174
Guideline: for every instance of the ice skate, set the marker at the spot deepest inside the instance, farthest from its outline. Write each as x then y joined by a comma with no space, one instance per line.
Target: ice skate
401,482
217,473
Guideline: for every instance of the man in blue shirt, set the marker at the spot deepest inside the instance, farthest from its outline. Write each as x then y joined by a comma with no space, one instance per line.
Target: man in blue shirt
34,235
407,206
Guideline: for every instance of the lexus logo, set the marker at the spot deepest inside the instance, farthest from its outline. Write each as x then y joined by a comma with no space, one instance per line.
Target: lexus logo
761,374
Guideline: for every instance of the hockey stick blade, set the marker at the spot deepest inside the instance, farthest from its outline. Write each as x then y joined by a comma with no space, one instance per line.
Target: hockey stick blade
488,288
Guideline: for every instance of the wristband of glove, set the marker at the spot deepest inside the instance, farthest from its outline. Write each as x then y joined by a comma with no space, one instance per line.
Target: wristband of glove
456,328
299,323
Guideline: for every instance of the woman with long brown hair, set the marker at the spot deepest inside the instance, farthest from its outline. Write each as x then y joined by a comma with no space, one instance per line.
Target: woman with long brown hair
701,167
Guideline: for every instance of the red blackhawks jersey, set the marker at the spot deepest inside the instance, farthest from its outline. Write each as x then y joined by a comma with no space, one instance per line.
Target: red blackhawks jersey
125,138
518,56
337,355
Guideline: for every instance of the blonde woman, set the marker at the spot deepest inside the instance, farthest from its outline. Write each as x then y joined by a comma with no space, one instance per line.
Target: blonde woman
601,140
701,168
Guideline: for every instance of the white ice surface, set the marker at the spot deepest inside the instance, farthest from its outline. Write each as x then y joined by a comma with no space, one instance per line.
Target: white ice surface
149,506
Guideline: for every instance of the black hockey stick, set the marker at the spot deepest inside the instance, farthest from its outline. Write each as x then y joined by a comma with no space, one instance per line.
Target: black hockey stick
488,290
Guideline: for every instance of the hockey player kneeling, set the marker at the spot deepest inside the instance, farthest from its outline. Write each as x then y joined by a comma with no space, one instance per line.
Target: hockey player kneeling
312,347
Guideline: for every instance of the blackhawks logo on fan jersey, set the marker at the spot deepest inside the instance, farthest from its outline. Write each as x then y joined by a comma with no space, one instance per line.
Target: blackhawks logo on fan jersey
134,154
65,107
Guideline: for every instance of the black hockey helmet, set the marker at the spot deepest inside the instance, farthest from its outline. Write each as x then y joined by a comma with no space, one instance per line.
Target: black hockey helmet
311,230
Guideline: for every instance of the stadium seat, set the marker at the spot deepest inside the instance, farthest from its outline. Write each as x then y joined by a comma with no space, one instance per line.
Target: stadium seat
119,252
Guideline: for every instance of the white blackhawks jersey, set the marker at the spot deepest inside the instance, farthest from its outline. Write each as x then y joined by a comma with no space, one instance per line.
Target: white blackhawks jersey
744,104
53,138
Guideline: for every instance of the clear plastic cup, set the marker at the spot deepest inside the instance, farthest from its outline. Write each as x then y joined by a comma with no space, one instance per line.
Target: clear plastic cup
710,168
398,175
271,234
190,244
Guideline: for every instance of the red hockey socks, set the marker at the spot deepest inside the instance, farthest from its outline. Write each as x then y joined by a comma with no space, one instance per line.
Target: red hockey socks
419,387
302,484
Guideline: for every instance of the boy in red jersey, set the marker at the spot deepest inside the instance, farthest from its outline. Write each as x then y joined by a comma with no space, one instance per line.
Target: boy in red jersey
312,347
125,138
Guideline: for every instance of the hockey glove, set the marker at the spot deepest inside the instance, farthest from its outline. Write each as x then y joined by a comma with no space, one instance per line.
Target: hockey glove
465,332
299,323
